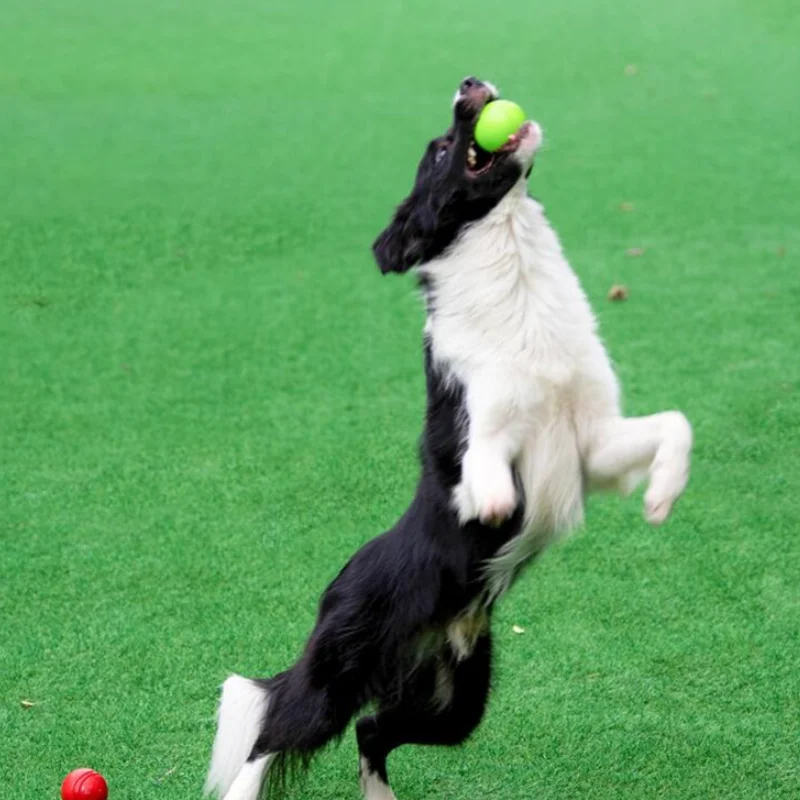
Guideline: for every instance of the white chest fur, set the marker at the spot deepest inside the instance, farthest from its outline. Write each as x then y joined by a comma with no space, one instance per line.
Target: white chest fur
509,320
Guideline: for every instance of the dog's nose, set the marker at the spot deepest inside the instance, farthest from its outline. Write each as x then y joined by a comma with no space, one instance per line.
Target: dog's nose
471,97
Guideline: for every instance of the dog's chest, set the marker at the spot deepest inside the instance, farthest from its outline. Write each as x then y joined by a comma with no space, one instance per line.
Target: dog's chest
504,306
509,321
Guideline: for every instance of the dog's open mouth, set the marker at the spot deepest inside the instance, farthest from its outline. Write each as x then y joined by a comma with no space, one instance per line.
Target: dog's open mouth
480,161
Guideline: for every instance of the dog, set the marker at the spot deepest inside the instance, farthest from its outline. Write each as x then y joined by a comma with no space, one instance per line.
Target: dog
523,419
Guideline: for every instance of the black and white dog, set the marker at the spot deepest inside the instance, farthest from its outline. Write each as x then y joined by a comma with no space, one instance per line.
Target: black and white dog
523,418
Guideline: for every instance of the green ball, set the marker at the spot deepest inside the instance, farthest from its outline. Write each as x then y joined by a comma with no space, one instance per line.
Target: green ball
498,120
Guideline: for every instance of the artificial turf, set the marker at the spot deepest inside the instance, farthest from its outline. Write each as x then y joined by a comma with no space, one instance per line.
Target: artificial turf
210,398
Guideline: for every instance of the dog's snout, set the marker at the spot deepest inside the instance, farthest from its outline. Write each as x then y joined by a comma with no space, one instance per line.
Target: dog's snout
472,96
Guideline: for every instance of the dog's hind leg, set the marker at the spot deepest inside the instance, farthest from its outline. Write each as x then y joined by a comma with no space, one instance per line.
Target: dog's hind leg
441,706
372,761
622,451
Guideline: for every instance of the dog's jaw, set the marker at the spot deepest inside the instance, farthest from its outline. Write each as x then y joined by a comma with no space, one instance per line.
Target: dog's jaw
530,140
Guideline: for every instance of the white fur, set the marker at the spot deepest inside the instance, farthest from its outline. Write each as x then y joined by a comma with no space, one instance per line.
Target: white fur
510,321
240,718
372,787
247,785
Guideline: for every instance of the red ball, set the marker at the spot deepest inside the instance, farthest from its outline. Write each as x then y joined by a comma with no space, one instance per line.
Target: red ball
84,784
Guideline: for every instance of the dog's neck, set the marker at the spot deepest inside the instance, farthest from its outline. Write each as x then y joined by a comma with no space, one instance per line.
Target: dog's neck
507,238
495,261
504,289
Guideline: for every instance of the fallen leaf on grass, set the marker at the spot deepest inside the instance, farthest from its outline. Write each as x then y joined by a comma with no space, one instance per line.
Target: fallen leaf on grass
165,775
634,252
626,206
27,703
618,292
518,629
781,252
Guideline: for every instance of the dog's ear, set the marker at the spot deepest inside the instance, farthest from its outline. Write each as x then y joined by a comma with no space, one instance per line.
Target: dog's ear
401,245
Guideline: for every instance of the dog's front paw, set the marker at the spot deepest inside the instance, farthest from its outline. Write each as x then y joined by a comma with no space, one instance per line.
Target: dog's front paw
484,494
669,472
498,504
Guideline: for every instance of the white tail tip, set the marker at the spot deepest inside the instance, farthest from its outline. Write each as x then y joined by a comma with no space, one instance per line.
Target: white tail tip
240,720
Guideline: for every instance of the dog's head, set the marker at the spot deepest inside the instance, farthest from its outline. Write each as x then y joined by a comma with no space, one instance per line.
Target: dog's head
457,183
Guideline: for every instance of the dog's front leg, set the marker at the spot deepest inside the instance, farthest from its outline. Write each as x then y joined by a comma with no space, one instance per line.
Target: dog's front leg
486,491
625,450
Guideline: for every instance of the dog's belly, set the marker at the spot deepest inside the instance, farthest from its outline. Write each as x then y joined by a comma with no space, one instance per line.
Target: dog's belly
551,477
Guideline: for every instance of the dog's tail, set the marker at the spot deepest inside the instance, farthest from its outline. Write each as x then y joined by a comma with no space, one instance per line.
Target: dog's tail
241,718
267,727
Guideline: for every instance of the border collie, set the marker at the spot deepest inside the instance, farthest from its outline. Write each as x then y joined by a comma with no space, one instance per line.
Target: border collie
523,419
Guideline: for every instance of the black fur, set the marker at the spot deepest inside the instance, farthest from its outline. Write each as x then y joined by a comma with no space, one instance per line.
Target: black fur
388,628
381,633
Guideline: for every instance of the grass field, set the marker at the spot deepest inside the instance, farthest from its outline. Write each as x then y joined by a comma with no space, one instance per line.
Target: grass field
209,396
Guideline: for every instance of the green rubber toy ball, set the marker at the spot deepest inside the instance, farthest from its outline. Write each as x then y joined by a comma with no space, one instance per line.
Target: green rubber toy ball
498,120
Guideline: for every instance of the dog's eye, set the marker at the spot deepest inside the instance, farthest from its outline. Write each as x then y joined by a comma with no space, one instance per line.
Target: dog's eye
439,154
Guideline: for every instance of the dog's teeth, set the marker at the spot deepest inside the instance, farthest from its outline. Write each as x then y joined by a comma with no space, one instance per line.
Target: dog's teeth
472,156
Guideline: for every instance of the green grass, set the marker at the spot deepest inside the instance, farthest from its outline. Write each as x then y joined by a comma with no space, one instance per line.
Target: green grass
209,397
